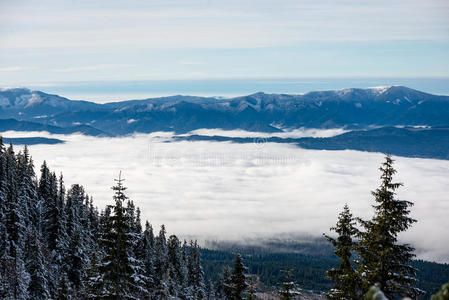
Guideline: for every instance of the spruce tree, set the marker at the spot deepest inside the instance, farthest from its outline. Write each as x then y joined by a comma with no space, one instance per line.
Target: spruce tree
346,282
287,291
174,265
16,225
383,260
39,287
195,272
224,287
238,279
48,193
120,272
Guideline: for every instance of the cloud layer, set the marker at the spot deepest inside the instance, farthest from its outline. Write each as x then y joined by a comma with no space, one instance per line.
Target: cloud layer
230,191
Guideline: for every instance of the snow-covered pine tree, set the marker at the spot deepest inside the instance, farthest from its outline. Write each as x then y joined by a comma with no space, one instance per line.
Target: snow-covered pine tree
238,279
185,290
119,269
48,193
64,290
224,287
27,188
383,260
37,265
76,263
145,253
287,291
346,281
195,272
4,239
16,226
174,265
161,257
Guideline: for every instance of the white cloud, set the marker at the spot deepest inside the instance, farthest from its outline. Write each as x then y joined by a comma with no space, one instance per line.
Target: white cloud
294,133
233,24
15,69
232,191
191,63
94,67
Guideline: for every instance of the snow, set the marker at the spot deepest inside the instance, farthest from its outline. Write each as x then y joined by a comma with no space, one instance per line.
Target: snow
35,99
380,89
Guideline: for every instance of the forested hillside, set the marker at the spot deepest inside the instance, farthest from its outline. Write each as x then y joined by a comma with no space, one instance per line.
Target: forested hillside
55,244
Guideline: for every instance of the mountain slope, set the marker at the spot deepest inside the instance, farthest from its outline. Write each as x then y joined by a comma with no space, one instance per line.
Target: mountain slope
12,124
349,108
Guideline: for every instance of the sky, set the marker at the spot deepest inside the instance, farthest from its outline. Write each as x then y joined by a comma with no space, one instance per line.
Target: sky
226,191
46,42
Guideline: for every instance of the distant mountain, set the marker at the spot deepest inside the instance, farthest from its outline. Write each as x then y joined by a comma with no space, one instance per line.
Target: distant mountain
31,141
24,104
12,124
349,108
408,142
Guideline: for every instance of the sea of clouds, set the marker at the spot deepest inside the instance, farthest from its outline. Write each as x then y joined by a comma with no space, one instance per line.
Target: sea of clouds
230,191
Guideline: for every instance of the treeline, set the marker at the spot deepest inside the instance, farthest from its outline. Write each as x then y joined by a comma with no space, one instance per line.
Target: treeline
307,271
54,244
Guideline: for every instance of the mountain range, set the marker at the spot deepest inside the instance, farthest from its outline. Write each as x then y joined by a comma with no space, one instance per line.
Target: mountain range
24,109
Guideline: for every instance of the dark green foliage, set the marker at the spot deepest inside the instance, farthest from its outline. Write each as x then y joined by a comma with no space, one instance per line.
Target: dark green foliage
383,260
443,293
307,271
287,291
238,279
346,281
119,271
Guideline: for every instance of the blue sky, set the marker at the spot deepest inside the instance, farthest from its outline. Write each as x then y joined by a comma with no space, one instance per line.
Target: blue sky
49,41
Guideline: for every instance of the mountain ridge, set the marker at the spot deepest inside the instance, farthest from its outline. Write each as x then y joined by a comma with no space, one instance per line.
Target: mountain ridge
351,108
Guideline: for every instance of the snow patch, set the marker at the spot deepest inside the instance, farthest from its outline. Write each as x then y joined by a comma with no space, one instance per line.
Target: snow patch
380,89
35,99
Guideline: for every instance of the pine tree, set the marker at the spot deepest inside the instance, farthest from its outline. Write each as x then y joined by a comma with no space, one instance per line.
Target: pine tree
48,193
161,260
345,279
288,287
76,262
251,295
238,279
174,265
145,253
38,288
119,269
195,272
16,225
224,287
383,260
185,291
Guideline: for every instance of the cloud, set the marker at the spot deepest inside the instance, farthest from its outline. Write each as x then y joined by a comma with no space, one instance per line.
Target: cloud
229,191
241,24
191,63
15,69
94,67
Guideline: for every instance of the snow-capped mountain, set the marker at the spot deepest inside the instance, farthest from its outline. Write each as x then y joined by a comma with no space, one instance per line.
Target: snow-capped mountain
351,108
22,103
